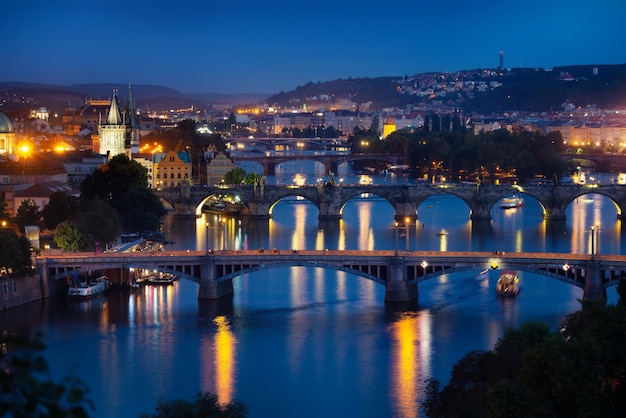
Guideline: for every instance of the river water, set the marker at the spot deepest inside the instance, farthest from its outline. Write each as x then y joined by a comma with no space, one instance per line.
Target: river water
308,342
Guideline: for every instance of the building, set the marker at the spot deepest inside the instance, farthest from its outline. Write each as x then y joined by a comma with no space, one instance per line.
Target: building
146,161
388,127
172,169
218,164
79,164
7,135
120,134
40,194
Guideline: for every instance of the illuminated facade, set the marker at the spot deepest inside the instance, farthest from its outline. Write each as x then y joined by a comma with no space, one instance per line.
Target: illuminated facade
120,134
7,135
388,127
172,169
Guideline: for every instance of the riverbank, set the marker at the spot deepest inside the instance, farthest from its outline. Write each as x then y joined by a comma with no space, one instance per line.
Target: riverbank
20,290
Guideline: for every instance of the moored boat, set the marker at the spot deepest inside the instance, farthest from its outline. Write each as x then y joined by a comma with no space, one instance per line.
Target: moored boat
88,287
508,284
511,202
162,279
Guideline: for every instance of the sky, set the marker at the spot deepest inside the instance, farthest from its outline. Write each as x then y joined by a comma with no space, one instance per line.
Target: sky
252,46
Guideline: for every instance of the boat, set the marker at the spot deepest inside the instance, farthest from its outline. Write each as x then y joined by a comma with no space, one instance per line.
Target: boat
511,202
161,279
88,287
508,284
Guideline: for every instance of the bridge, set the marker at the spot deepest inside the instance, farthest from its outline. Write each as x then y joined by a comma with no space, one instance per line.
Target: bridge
331,161
272,143
258,200
399,271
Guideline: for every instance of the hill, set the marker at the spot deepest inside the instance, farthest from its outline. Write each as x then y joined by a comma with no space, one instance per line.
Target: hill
56,98
482,90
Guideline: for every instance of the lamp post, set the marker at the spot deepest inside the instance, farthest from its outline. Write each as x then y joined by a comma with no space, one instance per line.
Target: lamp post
206,248
406,232
396,249
594,231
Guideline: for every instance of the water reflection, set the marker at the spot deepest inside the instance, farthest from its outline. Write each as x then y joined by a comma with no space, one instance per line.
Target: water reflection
225,359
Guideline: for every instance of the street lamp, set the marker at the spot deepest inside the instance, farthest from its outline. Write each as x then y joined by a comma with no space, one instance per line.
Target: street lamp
396,225
206,248
406,232
594,231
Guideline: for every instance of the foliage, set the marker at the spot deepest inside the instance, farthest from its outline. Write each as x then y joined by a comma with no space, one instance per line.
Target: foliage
27,388
251,178
3,209
123,184
14,252
98,222
235,176
142,211
60,207
114,179
534,372
205,405
27,214
69,237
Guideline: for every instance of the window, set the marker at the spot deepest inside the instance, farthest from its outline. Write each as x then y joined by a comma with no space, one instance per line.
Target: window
5,288
15,285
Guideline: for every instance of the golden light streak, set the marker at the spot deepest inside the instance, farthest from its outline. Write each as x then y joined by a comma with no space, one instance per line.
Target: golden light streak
225,349
405,365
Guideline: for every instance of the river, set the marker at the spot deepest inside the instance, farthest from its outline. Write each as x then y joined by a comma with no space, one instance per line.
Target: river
309,342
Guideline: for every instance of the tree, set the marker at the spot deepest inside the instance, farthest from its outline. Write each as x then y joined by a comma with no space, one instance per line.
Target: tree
123,184
115,178
27,214
205,405
532,372
141,211
235,176
27,388
60,207
98,222
14,252
69,237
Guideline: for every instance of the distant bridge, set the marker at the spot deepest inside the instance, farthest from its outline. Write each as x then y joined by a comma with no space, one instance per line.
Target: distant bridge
258,201
331,161
400,272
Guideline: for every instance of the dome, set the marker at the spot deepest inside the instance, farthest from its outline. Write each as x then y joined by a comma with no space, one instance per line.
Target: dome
5,124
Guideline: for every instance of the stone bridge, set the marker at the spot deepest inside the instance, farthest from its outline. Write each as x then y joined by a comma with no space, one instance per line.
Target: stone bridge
331,161
258,201
400,272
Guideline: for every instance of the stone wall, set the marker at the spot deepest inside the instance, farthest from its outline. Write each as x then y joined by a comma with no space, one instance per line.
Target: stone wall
15,291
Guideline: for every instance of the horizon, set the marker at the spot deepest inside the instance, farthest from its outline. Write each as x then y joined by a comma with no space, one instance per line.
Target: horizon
269,48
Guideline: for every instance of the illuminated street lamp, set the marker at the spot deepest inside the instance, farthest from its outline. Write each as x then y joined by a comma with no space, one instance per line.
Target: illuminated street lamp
594,232
406,232
396,225
206,248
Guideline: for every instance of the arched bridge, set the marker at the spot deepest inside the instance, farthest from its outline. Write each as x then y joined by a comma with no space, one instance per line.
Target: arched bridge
331,161
259,200
400,272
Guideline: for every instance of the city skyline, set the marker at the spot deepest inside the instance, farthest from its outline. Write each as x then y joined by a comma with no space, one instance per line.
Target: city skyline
273,47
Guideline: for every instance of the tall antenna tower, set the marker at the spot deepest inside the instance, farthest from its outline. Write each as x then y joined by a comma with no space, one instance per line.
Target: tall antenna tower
501,59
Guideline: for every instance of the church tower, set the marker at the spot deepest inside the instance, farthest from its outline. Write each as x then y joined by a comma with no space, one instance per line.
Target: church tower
113,132
133,138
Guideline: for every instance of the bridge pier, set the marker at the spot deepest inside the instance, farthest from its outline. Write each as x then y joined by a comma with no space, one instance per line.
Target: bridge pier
397,289
210,288
593,282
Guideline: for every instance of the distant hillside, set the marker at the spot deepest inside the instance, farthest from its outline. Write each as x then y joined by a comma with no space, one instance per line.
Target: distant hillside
480,90
56,98
523,89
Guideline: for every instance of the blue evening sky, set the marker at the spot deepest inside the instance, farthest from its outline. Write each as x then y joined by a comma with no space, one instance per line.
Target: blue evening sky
269,46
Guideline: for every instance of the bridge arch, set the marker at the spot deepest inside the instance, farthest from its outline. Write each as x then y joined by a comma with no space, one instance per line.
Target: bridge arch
306,264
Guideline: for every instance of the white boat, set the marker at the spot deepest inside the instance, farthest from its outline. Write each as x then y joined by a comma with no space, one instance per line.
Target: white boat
511,202
89,287
508,284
